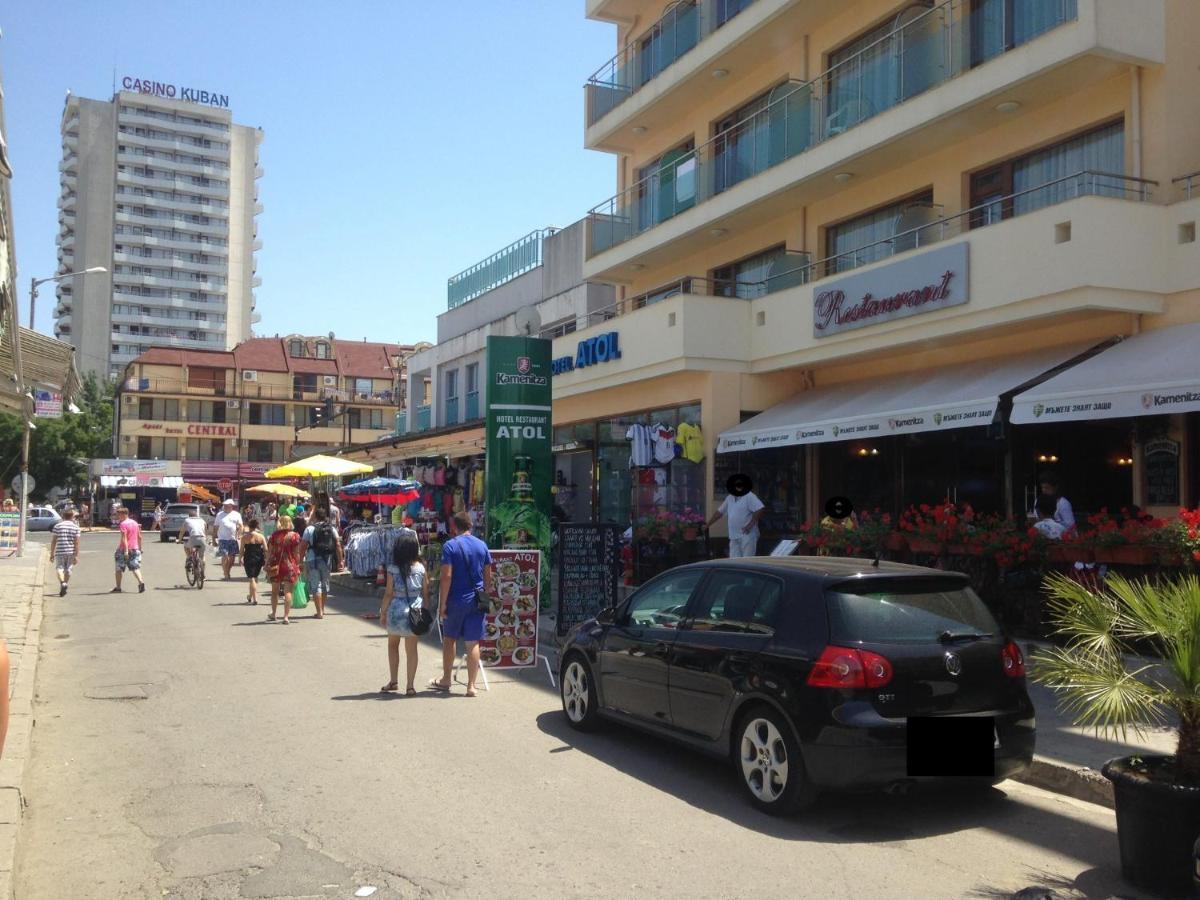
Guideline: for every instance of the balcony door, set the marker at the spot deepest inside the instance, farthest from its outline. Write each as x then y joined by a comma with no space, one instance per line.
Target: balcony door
667,186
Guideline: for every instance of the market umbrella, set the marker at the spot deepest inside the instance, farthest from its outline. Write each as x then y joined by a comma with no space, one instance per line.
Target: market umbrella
318,466
390,491
283,490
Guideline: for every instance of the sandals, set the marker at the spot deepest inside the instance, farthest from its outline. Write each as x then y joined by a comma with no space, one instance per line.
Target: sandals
438,686
271,617
410,692
390,688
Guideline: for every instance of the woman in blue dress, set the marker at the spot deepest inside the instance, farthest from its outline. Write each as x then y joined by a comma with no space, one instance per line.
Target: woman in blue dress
406,587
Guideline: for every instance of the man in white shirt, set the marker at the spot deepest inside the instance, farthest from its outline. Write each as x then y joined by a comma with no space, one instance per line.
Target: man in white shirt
229,530
744,510
1064,515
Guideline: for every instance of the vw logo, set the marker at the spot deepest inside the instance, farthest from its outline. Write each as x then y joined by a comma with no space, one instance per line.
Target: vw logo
953,664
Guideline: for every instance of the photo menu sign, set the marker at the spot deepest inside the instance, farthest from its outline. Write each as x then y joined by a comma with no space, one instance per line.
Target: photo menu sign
511,624
589,572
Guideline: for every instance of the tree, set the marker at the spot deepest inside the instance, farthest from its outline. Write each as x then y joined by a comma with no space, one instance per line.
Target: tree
60,448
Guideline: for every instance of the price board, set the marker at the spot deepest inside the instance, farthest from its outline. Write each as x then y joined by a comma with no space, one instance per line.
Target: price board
511,625
10,526
589,572
1161,464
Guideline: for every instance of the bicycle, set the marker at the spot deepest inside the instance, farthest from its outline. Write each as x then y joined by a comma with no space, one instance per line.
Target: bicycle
194,568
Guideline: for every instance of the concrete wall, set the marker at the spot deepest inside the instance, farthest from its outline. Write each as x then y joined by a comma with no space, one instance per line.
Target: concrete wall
243,159
91,310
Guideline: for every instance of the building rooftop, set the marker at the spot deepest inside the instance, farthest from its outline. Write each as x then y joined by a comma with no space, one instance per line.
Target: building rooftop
354,359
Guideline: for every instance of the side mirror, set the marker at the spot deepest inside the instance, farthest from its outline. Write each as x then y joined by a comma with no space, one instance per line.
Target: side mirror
607,616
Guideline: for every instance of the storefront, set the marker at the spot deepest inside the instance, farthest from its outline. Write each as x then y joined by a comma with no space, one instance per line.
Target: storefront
138,484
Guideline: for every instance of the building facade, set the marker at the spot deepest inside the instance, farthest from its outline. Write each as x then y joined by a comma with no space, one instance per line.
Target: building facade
849,238
236,414
162,193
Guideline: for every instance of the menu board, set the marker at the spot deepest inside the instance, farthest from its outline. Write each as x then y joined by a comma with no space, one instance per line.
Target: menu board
1161,458
589,572
10,526
511,625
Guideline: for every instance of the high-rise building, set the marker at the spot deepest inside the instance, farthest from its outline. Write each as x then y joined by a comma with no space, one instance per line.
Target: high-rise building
160,189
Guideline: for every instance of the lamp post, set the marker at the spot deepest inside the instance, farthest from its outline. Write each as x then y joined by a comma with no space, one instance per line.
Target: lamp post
30,408
34,282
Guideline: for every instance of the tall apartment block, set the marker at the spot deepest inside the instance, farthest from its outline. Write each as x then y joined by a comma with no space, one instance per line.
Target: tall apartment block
162,193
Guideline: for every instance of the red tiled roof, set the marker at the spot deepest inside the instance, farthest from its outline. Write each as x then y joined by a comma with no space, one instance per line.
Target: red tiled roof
261,354
365,359
354,359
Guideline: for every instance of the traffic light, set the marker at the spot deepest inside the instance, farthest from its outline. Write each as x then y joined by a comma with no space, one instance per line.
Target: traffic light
322,415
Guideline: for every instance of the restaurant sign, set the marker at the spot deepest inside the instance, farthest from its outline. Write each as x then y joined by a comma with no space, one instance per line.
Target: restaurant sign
132,467
935,279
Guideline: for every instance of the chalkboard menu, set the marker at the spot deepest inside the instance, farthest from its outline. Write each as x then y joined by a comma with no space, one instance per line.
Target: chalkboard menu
1161,459
589,571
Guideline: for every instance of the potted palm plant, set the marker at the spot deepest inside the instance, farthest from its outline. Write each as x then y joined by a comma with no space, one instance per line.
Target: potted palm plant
1157,797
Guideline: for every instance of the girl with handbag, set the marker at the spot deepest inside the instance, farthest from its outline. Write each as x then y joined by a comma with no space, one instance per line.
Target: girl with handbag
404,608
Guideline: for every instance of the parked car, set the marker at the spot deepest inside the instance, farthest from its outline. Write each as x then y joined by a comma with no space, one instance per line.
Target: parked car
804,672
41,518
176,513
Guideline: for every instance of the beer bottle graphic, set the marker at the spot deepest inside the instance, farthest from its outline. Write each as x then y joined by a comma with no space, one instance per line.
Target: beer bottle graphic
519,523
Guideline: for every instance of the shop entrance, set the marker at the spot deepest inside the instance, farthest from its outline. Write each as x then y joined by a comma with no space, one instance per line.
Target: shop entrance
1093,462
573,485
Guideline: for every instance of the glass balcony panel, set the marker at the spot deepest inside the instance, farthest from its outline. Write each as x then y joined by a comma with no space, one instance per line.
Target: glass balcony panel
451,411
472,406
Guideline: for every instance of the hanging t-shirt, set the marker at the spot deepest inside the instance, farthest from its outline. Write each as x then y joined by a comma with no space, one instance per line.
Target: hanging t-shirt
641,449
664,443
691,439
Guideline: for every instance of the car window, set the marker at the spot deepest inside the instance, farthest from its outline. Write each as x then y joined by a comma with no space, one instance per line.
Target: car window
662,603
900,613
742,602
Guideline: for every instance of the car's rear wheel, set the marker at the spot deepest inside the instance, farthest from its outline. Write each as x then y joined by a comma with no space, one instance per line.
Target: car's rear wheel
163,539
579,694
769,764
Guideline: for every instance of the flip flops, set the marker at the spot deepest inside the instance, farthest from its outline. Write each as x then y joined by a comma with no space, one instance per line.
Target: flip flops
438,686
390,688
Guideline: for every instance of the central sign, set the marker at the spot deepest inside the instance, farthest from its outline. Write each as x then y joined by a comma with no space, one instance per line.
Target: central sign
221,431
935,279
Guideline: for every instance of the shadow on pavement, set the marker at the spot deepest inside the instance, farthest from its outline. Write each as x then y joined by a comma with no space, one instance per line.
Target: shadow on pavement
712,786
1097,883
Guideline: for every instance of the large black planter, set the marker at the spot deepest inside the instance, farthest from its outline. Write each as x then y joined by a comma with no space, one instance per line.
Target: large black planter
1157,824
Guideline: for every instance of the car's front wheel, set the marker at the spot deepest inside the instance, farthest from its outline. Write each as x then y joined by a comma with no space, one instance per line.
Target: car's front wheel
579,694
769,764
163,539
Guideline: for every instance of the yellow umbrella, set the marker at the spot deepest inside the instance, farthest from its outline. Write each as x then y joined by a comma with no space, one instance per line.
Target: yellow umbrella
284,490
318,466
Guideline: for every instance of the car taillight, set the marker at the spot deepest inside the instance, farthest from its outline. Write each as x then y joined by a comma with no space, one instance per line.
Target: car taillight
1012,661
843,667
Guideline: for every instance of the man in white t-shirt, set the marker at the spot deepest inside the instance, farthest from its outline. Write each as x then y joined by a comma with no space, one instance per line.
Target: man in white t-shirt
744,510
229,529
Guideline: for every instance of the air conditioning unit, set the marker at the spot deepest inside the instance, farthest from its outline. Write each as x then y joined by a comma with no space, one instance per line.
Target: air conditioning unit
232,404
127,439
130,399
330,380
249,375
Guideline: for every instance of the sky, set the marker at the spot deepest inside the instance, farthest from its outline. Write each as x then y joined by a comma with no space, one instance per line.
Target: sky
404,141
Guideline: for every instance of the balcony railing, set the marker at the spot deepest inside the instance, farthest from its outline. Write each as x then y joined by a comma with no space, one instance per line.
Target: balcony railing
801,271
472,410
451,411
920,53
1187,186
504,265
423,418
681,28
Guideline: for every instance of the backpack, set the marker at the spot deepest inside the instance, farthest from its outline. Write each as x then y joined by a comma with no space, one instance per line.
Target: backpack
323,539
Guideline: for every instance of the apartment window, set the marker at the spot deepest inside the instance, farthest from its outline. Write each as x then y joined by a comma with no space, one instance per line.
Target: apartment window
206,449
998,26
867,237
264,451
674,35
303,384
296,349
322,350
1047,176
157,448
206,411
758,275
365,418
158,409
666,186
364,387
305,415
267,414
473,378
206,379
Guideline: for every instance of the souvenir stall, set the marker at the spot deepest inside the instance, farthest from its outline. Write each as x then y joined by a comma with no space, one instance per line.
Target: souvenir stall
445,487
368,544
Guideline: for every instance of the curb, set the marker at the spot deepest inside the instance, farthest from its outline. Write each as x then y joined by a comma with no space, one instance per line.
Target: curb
1071,781
20,731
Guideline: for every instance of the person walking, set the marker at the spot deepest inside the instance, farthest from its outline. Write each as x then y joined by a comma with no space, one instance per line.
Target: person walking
320,546
160,510
466,570
229,531
64,548
129,550
744,510
283,566
254,557
407,588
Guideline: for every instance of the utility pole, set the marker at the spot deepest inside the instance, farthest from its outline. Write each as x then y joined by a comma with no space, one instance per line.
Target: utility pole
14,326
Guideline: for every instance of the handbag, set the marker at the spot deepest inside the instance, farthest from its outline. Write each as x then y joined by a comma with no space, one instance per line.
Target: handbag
420,620
483,603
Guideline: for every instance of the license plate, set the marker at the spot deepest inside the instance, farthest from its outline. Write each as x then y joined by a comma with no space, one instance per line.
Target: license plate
940,746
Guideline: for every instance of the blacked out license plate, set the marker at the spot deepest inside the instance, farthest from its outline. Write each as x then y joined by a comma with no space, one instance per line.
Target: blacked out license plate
940,746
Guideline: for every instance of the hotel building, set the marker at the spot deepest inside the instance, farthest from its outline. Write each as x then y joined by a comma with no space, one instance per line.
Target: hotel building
162,193
896,251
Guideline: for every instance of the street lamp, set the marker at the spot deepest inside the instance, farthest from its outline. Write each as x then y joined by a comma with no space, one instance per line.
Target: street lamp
28,412
33,285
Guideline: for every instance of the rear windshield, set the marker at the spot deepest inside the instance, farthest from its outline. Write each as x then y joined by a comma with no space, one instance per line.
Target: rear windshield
183,509
896,613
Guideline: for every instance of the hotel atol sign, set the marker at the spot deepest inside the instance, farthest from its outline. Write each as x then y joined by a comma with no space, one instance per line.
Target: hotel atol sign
175,91
935,279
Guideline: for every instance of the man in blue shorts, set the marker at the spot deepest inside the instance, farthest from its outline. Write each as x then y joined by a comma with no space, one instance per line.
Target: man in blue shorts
466,568
229,532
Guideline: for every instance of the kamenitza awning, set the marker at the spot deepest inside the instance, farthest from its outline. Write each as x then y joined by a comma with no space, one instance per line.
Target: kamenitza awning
957,396
1149,374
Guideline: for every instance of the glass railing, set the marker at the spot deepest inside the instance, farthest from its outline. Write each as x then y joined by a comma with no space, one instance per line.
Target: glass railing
451,411
639,62
472,406
504,265
922,52
422,418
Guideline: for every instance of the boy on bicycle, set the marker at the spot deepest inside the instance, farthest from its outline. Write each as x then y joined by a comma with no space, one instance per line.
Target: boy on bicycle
193,535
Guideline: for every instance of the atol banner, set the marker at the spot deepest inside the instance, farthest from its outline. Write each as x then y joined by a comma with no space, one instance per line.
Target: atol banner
511,625
519,461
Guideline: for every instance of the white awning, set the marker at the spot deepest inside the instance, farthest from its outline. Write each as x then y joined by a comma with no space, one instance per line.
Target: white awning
958,396
1152,373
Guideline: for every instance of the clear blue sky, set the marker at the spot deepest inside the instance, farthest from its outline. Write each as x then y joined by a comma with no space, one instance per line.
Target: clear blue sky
404,140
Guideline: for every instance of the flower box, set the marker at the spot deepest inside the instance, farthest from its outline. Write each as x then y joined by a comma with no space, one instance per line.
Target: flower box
1127,555
690,534
1065,553
961,550
924,546
896,541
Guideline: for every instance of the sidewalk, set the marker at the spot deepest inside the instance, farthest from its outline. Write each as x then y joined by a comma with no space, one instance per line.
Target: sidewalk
21,602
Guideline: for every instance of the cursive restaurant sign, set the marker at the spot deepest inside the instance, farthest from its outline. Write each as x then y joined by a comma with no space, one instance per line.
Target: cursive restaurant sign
935,279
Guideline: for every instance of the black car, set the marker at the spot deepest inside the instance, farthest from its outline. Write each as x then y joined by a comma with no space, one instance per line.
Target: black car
805,672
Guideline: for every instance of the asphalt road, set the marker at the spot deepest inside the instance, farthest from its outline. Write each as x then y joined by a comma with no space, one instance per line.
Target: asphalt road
185,747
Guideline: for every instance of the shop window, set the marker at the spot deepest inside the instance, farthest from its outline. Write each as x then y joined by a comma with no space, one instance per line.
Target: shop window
868,237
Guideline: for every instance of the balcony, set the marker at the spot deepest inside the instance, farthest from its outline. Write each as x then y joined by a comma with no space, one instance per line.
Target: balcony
423,418
180,243
69,163
179,221
129,137
472,408
922,84
215,168
199,129
519,257
451,411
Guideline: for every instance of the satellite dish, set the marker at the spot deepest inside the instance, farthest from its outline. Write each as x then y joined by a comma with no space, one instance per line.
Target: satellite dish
528,321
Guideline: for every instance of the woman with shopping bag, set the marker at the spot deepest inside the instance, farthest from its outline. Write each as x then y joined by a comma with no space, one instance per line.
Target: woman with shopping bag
404,609
283,566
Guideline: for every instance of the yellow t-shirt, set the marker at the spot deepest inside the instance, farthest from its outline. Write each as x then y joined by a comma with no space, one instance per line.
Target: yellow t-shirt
691,439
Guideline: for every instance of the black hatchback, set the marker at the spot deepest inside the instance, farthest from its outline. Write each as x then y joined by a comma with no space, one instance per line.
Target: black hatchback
810,673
